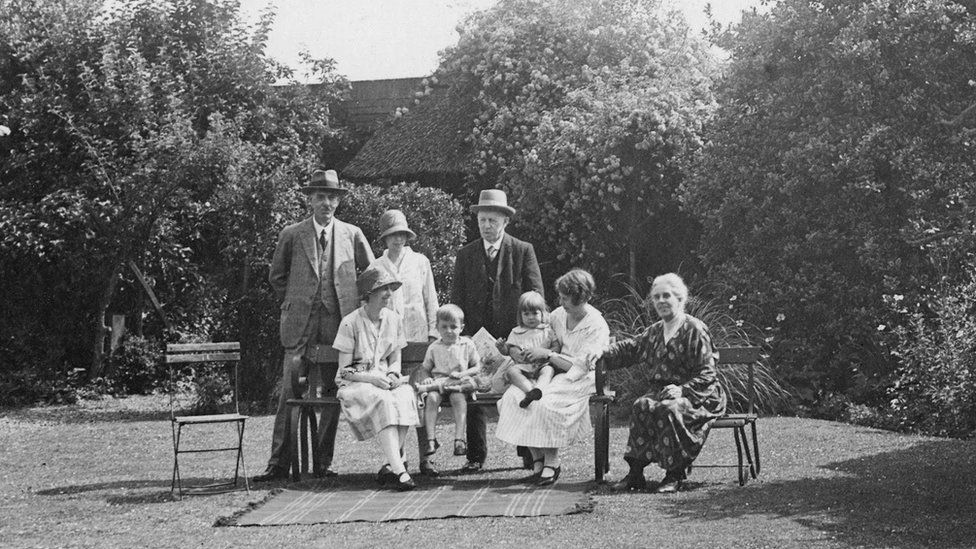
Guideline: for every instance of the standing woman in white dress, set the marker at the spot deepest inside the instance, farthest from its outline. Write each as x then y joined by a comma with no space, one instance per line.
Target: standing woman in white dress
563,412
375,398
416,300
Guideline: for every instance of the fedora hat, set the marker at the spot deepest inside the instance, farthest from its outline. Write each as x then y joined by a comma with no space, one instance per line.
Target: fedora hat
324,180
493,200
373,279
393,221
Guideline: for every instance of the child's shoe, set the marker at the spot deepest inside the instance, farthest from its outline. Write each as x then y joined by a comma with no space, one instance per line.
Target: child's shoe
534,394
432,446
460,447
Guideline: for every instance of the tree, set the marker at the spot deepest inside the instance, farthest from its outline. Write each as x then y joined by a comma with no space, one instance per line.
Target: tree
839,169
142,133
587,110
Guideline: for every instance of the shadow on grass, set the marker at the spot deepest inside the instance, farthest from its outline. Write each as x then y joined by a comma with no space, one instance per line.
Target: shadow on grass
924,495
142,491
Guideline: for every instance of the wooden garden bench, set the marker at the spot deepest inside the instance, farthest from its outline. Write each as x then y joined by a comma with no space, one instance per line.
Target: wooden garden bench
319,392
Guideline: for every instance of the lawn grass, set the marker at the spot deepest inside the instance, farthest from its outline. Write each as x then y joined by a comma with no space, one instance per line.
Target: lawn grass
98,475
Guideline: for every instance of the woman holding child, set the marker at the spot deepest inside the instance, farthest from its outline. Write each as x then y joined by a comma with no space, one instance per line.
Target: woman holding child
556,418
669,423
374,396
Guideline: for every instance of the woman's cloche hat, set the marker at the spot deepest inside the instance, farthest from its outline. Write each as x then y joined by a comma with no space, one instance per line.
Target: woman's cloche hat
324,180
392,222
493,200
373,279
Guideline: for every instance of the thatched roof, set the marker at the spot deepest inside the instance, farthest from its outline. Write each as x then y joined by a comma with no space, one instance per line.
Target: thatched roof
427,140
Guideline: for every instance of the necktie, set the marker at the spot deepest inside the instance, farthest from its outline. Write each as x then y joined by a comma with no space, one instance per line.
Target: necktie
492,252
322,241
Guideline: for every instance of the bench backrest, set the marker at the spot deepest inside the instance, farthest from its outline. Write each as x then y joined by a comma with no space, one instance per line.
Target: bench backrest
411,357
195,353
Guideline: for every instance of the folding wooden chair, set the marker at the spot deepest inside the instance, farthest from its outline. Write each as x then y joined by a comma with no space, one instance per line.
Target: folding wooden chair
750,466
194,353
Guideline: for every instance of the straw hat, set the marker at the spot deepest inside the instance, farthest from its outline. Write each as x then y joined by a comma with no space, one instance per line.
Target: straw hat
373,279
393,221
493,200
324,180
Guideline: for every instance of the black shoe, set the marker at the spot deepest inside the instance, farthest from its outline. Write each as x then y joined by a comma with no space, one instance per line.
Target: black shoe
327,473
402,485
534,394
534,477
273,472
549,481
471,467
671,482
428,470
385,475
633,481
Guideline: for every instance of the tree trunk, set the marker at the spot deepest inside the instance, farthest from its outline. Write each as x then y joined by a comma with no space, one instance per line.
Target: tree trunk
98,323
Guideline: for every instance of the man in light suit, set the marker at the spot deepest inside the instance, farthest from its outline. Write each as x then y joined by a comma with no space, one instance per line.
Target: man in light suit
313,272
489,276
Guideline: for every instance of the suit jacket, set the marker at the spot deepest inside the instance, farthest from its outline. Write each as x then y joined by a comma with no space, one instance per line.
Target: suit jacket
294,273
518,272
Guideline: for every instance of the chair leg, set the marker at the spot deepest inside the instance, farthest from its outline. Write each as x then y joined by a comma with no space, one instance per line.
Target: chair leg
176,461
755,447
294,432
240,466
314,448
176,458
738,451
748,452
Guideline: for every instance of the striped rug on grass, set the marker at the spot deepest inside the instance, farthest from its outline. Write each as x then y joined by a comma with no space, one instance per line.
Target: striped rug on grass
489,499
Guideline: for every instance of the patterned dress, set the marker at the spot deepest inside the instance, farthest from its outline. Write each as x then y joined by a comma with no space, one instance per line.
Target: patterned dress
671,432
563,412
366,407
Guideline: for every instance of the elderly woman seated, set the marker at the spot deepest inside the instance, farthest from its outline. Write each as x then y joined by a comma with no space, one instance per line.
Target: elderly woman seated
669,423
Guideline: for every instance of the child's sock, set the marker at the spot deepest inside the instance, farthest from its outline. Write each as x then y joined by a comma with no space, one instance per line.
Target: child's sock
534,394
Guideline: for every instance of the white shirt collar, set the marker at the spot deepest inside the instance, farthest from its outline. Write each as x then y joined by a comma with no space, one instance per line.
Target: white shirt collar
320,228
496,244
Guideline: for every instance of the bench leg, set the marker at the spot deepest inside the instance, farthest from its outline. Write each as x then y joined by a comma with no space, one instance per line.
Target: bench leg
294,433
303,426
601,442
421,440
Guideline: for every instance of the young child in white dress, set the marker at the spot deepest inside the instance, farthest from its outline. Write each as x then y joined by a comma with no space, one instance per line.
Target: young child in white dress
533,331
450,367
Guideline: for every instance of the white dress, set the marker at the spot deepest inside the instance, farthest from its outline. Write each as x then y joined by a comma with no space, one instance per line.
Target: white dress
366,407
416,300
563,412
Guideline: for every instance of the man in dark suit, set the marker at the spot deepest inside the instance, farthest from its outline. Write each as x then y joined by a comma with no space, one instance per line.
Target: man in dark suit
489,276
313,272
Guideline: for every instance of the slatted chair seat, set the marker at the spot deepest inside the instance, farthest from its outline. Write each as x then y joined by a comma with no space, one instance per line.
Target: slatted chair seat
213,418
226,354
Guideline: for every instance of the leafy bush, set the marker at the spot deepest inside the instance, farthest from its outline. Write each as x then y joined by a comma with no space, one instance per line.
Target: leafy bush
436,217
135,366
630,315
935,390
